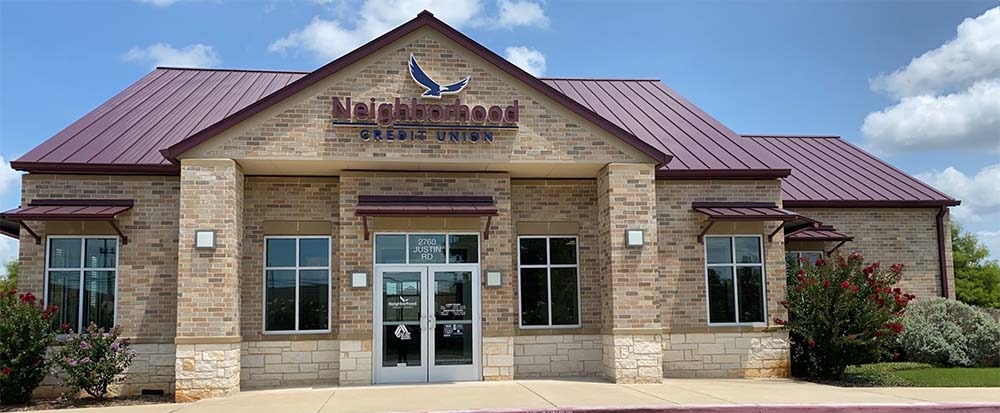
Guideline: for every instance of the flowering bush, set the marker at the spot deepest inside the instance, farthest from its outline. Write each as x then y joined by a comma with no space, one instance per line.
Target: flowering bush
841,313
93,360
25,334
950,333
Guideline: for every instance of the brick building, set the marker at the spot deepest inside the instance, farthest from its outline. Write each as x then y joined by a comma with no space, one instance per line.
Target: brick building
362,223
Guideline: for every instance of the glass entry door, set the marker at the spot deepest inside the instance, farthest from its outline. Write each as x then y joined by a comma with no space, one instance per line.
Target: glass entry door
427,323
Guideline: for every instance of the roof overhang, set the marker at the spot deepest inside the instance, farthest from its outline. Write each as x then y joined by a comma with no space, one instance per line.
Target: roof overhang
91,168
70,210
722,173
410,206
792,203
742,212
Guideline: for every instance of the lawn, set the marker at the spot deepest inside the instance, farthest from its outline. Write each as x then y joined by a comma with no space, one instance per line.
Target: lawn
920,375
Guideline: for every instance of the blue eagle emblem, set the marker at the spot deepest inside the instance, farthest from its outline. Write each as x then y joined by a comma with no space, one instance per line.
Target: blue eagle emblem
434,90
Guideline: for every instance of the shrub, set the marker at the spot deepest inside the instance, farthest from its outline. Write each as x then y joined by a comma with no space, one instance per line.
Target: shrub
841,313
25,335
950,333
93,360
880,374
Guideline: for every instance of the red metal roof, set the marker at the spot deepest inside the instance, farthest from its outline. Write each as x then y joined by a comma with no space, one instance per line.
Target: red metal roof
743,211
75,210
702,146
375,205
820,233
127,132
829,171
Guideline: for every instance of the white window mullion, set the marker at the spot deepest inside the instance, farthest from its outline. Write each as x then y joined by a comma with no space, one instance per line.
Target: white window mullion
548,276
83,283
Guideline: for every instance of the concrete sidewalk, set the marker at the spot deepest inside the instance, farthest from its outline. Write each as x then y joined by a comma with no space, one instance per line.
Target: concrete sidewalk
671,395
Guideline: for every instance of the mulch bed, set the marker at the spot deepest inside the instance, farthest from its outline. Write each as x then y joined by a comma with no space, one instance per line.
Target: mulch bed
46,404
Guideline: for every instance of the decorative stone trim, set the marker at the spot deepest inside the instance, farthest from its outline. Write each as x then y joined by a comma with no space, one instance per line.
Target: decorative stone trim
206,370
746,354
355,362
498,358
633,358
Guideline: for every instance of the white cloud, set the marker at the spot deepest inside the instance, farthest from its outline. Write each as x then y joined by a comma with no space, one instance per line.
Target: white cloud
972,55
330,38
947,96
163,54
992,241
521,13
8,176
967,119
531,60
979,193
158,3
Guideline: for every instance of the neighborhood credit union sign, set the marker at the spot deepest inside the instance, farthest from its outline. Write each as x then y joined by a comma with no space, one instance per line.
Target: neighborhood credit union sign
403,119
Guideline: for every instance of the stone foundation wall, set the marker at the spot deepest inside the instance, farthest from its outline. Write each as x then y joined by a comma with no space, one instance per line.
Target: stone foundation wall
568,355
206,370
289,363
151,369
637,358
498,358
737,354
355,362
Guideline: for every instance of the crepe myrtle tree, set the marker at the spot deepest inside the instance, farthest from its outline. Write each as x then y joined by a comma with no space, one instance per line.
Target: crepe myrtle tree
25,335
93,360
842,312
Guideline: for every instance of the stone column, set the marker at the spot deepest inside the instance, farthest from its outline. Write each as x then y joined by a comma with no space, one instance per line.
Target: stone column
208,295
630,310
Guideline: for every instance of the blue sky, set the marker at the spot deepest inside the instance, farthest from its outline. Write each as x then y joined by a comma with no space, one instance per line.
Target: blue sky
908,80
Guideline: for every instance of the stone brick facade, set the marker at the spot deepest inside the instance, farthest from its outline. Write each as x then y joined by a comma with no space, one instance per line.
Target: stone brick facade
726,354
894,235
565,355
281,363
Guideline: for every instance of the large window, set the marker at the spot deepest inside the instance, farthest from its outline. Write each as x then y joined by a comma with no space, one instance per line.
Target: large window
734,267
426,248
549,281
81,274
296,284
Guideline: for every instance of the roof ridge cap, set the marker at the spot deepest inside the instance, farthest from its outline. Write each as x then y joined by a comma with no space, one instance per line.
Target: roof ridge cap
757,135
602,79
214,69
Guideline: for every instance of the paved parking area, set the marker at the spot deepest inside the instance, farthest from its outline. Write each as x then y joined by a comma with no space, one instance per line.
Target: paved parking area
589,395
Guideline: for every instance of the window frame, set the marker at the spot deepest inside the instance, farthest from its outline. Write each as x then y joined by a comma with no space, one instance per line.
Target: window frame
83,276
734,265
297,268
548,279
447,247
798,254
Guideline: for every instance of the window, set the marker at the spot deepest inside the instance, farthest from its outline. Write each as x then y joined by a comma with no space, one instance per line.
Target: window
734,271
549,281
296,284
426,248
81,274
793,258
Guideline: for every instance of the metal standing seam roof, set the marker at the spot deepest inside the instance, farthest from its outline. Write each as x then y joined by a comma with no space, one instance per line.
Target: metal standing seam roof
829,171
76,210
820,233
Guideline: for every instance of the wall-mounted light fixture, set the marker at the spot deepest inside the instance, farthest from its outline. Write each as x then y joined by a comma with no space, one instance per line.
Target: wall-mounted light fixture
634,238
359,279
493,279
204,238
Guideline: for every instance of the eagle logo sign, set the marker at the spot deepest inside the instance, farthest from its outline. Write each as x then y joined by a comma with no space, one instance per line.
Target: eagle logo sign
434,90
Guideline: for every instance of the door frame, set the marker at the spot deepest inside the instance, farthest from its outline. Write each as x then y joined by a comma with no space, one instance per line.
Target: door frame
445,373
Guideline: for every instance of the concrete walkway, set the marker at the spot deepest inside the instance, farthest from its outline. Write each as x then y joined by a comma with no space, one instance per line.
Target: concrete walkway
532,395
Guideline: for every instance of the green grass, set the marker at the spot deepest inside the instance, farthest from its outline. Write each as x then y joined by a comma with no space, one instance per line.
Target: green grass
920,375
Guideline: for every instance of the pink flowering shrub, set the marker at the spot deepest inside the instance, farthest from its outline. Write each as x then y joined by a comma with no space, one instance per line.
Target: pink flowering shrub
93,360
25,335
842,313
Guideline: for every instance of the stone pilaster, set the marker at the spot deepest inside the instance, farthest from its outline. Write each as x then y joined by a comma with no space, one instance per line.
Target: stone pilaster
498,358
632,349
208,293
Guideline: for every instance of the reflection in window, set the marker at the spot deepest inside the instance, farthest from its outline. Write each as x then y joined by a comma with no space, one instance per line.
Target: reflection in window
296,284
735,279
81,281
549,281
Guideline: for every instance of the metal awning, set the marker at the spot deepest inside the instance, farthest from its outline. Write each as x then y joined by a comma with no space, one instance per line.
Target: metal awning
10,228
819,233
409,206
70,210
742,212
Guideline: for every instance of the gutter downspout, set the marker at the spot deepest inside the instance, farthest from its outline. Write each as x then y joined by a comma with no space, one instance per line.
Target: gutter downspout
942,256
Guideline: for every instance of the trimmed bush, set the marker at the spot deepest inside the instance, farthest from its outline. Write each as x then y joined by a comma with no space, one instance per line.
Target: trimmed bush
842,313
25,335
950,333
93,360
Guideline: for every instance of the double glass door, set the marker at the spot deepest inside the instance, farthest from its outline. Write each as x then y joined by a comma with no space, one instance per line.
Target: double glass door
427,323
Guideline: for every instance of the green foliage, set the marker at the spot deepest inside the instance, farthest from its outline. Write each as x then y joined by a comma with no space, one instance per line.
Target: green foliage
842,313
977,278
25,334
93,360
950,333
880,374
9,280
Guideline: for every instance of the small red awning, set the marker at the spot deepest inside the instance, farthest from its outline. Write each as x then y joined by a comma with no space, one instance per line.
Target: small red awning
70,210
820,233
378,205
410,206
743,211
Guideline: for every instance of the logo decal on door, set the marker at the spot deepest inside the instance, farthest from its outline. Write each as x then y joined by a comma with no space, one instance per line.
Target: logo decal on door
402,333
